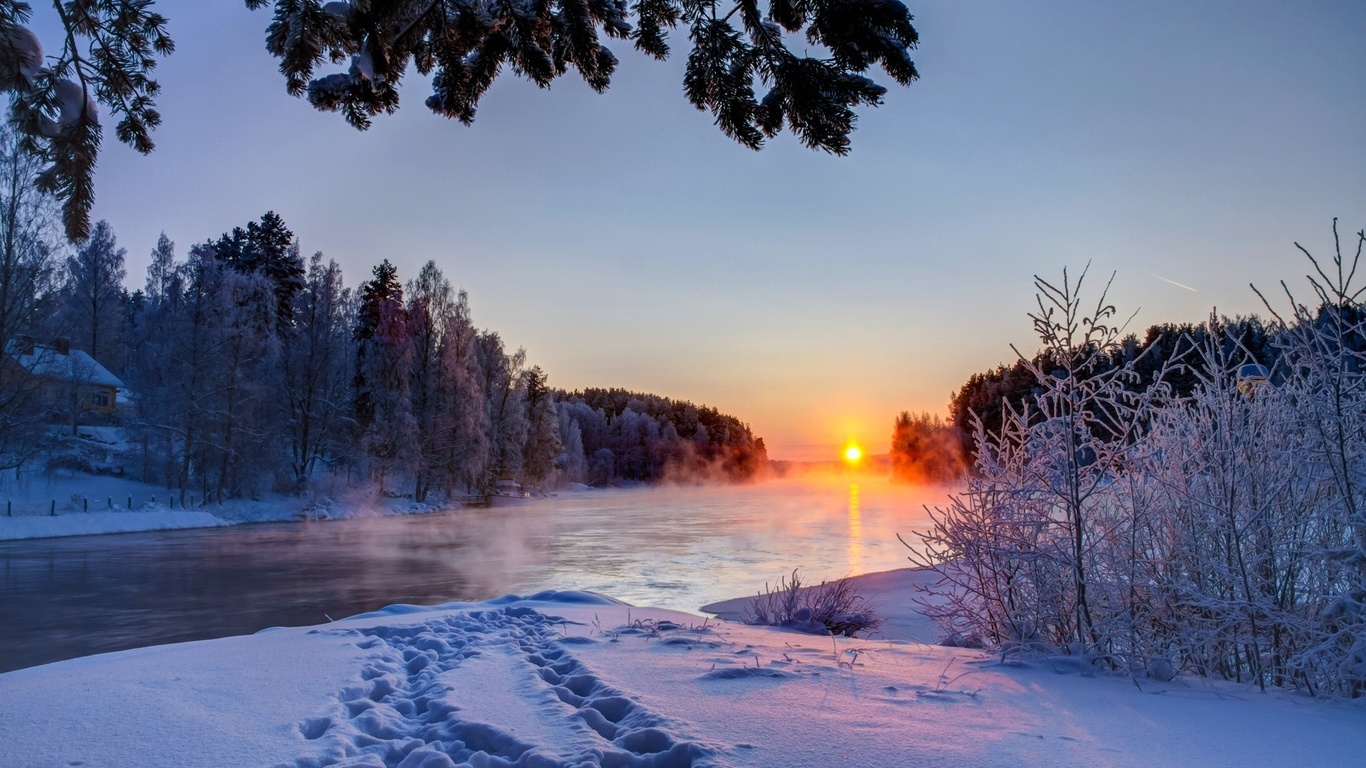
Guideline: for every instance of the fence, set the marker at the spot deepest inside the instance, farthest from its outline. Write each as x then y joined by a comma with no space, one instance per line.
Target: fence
84,504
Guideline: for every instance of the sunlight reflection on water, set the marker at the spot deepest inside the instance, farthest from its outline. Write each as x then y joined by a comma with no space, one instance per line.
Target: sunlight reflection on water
855,532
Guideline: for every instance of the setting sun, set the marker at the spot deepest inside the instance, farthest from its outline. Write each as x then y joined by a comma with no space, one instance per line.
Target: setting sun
852,454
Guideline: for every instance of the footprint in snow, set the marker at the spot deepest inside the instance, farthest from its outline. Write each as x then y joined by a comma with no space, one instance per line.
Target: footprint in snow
521,701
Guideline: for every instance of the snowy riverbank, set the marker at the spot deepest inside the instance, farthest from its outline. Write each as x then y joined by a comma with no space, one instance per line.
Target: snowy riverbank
568,678
76,504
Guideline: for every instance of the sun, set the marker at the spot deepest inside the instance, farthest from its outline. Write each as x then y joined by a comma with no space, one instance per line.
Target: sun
852,454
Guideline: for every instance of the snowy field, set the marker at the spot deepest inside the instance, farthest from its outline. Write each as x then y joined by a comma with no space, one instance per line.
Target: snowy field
571,679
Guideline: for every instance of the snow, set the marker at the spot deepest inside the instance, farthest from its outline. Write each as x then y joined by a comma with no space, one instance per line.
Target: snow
74,365
28,51
570,678
31,496
83,524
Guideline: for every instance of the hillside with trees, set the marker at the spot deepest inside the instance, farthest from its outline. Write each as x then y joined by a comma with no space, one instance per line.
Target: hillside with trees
248,368
1167,353
618,434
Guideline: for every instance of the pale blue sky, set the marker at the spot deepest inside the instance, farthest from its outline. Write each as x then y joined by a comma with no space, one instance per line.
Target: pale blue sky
625,242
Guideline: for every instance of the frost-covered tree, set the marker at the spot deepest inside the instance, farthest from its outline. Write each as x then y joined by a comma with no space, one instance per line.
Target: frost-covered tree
92,296
389,438
1324,348
466,446
238,441
161,271
504,389
430,301
758,68
571,464
1216,579
1023,543
315,369
543,444
153,370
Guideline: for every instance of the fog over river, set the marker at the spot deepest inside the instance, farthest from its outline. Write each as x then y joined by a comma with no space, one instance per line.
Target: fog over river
676,548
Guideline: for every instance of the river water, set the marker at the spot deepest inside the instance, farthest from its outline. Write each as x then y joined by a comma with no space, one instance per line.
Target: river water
676,548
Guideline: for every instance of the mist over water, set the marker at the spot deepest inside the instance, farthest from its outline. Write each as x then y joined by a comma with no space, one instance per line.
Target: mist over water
676,548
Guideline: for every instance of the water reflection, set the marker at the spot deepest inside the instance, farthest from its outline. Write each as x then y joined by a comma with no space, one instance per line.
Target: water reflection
673,548
855,532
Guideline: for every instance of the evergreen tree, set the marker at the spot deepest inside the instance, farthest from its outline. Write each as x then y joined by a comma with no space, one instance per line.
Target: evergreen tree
383,287
925,449
161,271
543,443
267,248
464,47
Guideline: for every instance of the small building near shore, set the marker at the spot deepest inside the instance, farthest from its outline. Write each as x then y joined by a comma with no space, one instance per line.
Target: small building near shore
66,376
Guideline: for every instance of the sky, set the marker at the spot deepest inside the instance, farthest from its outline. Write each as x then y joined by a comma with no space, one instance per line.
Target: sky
623,241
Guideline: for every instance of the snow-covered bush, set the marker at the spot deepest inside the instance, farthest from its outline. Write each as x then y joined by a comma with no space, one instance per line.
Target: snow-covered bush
1028,538
1221,533
832,607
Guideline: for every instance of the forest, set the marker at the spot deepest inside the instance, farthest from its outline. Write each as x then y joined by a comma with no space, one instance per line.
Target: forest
248,368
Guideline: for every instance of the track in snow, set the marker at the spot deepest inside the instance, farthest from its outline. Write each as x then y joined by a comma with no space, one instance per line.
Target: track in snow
521,700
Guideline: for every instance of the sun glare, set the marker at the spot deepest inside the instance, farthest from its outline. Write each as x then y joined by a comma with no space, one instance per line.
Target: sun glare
852,454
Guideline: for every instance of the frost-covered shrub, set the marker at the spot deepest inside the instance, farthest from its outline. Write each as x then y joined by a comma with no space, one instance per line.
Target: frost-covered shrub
1221,533
832,607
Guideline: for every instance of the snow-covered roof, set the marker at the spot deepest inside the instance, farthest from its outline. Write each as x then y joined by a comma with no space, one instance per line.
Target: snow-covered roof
75,365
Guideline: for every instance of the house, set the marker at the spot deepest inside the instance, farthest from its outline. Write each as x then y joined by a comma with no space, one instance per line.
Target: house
64,374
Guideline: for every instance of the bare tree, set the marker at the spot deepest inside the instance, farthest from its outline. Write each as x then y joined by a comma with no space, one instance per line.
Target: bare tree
28,233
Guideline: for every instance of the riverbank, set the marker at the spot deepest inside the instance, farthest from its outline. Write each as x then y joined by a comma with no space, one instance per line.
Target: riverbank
570,678
75,504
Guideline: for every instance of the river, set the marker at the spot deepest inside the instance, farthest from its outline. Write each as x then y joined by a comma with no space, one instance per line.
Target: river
676,548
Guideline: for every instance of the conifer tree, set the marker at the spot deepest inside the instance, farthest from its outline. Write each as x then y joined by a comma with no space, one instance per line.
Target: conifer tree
268,249
382,287
161,271
743,66
543,444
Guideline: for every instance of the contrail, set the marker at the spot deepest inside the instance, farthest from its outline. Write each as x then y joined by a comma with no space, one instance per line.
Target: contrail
1173,282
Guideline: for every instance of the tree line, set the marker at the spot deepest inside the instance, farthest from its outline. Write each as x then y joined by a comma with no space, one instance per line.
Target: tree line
255,369
928,448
